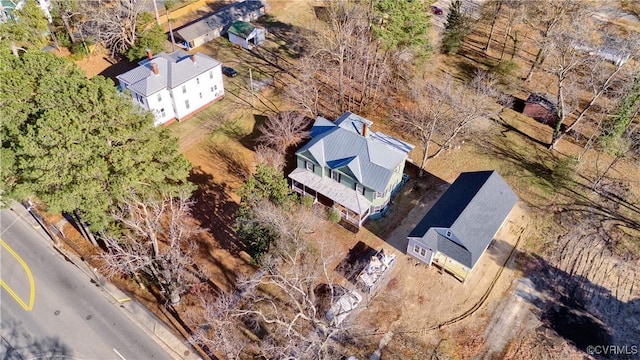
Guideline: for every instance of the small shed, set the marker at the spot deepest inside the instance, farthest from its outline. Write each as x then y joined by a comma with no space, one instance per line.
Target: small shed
541,108
216,24
245,34
455,233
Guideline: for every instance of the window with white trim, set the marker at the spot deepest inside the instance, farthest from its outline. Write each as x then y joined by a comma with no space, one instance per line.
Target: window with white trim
419,250
359,188
335,175
448,234
200,95
159,97
186,104
377,195
184,89
210,74
308,165
198,81
162,113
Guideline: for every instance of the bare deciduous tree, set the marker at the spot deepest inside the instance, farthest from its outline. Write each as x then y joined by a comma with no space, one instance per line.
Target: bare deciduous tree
304,90
345,67
549,19
442,112
271,157
284,130
281,308
581,56
114,23
156,241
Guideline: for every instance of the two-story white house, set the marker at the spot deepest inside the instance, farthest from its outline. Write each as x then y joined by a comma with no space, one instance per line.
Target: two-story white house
174,86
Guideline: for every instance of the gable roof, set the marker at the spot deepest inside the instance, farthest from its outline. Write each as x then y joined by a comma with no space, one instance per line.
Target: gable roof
241,28
370,159
473,208
219,19
173,70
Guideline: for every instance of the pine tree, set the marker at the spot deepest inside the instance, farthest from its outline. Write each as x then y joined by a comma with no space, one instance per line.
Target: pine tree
455,30
77,144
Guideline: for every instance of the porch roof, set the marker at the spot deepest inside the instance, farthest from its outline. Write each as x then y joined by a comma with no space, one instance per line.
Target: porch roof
328,187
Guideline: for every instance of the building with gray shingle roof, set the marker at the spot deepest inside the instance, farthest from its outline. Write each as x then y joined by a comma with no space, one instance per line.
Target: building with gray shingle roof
458,229
356,169
174,86
216,24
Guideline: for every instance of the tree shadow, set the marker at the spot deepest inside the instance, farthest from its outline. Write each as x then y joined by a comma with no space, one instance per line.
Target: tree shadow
250,141
579,311
570,307
215,211
291,39
121,66
16,343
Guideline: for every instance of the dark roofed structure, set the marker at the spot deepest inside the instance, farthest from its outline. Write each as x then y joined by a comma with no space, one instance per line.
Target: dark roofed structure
458,229
541,108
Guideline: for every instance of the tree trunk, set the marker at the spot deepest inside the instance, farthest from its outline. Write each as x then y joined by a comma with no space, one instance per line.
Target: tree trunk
534,65
155,11
560,113
65,21
515,44
493,24
173,40
504,44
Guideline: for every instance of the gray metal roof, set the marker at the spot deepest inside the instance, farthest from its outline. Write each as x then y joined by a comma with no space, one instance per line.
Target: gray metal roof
173,70
341,146
218,20
473,208
341,194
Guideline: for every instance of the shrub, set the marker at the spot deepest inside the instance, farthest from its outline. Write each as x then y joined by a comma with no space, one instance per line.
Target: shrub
334,215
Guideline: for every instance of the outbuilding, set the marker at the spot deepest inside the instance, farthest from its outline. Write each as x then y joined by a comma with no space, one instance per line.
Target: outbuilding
541,108
216,24
245,34
455,233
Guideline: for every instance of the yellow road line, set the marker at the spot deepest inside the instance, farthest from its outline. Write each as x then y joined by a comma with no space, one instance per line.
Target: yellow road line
32,286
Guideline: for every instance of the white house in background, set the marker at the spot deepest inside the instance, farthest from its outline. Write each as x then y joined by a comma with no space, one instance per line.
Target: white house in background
174,86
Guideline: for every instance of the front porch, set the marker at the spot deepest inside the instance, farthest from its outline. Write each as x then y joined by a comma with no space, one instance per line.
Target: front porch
353,207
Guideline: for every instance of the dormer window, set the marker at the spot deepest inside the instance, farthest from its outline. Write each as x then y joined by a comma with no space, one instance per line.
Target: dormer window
308,165
448,234
359,188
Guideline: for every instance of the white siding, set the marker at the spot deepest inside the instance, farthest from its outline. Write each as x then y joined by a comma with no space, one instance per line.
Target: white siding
428,254
201,84
239,40
156,106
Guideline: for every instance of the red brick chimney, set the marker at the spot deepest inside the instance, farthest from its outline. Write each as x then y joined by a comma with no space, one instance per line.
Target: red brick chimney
154,68
365,129
149,54
193,58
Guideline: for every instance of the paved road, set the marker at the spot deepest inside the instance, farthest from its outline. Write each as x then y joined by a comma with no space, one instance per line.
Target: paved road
49,309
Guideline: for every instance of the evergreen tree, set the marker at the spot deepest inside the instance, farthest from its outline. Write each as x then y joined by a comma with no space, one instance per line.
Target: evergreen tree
404,25
151,37
456,29
77,144
27,29
267,184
